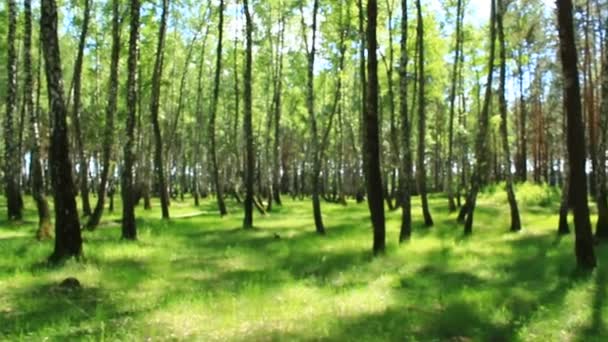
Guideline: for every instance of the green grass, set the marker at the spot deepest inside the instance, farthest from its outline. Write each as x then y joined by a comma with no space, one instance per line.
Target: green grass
203,278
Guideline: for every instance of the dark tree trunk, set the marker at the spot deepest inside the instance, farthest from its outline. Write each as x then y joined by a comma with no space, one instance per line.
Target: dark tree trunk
363,85
172,134
215,172
393,155
372,134
11,151
129,228
68,241
247,123
108,135
76,82
111,192
515,220
154,108
481,148
265,169
406,159
455,74
576,146
44,215
601,231
199,121
421,170
589,102
564,207
522,165
235,126
278,90
315,146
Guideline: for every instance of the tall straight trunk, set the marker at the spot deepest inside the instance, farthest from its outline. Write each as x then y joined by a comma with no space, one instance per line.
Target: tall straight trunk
563,228
589,102
154,108
340,163
564,207
11,151
278,90
173,129
247,123
129,228
363,80
481,142
21,130
393,158
68,241
515,219
215,172
108,134
462,121
455,74
406,159
601,230
44,215
585,255
83,166
372,134
522,165
421,169
199,121
237,111
337,96
310,105
266,166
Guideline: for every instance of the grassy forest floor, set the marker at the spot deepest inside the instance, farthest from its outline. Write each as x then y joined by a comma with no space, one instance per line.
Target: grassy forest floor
204,278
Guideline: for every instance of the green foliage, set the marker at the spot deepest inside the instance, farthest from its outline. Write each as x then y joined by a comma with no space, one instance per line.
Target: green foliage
528,194
204,278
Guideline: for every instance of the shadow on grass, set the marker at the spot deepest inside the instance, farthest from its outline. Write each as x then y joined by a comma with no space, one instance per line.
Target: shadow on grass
536,278
53,306
433,302
596,329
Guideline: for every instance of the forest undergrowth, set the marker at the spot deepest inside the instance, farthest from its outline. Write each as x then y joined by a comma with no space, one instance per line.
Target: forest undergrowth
202,277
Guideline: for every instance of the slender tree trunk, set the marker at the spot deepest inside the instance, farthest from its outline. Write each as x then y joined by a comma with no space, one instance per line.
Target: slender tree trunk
481,148
576,148
199,120
171,142
515,220
372,134
564,207
406,159
266,181
11,151
276,170
68,241
44,215
601,231
247,123
393,156
310,97
108,135
523,152
455,74
213,112
421,170
589,103
76,82
363,80
235,127
154,108
129,228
